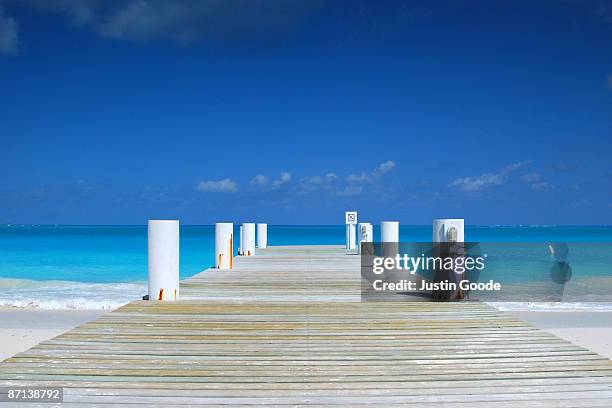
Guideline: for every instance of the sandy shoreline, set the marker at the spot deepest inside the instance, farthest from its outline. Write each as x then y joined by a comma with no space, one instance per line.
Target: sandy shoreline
591,330
21,329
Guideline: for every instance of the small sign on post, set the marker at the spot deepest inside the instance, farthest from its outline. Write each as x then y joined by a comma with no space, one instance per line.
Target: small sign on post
351,217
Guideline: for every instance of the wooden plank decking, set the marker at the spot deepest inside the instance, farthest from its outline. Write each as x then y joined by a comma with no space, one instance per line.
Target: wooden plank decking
286,328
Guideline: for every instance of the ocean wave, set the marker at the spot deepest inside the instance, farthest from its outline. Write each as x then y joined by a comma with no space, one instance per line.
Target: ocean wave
552,306
68,295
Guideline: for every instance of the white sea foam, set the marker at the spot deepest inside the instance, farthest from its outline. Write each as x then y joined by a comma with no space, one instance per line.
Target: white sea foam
552,306
67,295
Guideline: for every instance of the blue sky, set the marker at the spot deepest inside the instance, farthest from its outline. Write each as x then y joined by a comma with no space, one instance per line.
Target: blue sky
291,112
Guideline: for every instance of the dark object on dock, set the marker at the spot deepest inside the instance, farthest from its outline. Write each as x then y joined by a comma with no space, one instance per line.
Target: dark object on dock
145,297
445,250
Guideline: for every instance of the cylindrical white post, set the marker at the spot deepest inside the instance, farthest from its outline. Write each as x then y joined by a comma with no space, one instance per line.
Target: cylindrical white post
224,245
248,240
369,235
448,230
262,235
350,237
389,236
364,231
240,239
389,231
163,237
346,237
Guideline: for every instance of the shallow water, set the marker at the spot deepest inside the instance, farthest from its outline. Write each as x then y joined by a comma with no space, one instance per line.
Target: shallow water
94,267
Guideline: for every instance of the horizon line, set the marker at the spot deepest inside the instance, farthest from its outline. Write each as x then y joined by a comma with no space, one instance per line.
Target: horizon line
298,225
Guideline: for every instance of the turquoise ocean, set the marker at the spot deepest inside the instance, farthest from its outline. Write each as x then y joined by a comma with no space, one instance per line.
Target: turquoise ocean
103,267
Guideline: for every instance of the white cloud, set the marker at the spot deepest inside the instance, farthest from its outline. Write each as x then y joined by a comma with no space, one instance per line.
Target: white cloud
486,180
386,167
320,180
351,185
182,21
259,181
350,191
370,177
283,178
225,185
515,166
362,177
9,34
478,183
536,182
311,184
530,177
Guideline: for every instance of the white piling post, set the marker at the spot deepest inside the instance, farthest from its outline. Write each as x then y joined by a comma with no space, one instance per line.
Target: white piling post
240,238
163,237
389,236
364,231
369,235
389,231
448,230
346,236
248,241
224,245
262,235
353,237
350,237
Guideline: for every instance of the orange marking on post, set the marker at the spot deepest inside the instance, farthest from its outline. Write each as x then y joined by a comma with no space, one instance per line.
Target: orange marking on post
249,253
161,295
219,263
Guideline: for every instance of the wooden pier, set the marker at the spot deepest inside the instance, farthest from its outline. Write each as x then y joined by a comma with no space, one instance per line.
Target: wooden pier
287,328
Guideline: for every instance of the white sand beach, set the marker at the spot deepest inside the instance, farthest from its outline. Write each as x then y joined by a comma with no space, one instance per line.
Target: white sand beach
21,329
591,330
